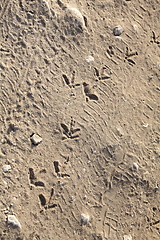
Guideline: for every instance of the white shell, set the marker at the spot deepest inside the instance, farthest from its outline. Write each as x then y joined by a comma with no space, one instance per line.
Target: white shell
135,27
135,166
127,237
36,139
12,220
120,131
117,31
145,125
90,59
6,168
84,218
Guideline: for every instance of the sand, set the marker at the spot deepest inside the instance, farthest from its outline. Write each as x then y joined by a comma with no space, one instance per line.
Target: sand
91,101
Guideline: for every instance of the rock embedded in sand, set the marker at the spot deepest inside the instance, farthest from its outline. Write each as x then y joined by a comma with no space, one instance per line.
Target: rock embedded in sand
77,15
90,59
84,218
6,168
36,139
156,188
13,221
135,166
117,31
119,131
127,237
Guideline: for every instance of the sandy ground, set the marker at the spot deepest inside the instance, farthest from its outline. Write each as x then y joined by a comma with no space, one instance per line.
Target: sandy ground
94,99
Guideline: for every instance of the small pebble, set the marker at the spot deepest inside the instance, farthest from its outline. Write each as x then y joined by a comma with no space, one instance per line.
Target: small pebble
6,211
6,168
117,31
5,183
145,125
135,27
156,188
120,131
3,141
13,221
36,139
118,39
84,219
127,237
135,166
90,59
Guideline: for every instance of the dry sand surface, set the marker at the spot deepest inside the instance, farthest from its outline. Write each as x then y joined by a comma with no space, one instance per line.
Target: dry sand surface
80,114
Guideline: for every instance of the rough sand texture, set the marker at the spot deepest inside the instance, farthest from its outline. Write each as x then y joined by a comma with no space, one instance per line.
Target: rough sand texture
98,118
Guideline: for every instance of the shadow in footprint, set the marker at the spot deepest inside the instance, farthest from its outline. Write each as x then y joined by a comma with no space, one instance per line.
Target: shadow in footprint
89,92
42,199
56,166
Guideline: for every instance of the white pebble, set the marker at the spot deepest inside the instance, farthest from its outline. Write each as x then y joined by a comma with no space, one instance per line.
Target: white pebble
6,168
36,139
118,39
135,27
90,59
135,166
84,219
120,131
6,211
145,125
127,237
13,221
117,31
3,140
5,183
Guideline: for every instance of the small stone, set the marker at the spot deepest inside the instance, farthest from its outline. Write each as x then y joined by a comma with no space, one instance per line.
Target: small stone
6,211
145,125
117,31
13,221
90,59
119,131
3,140
84,219
118,39
36,139
127,237
135,166
156,188
6,168
135,27
5,183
